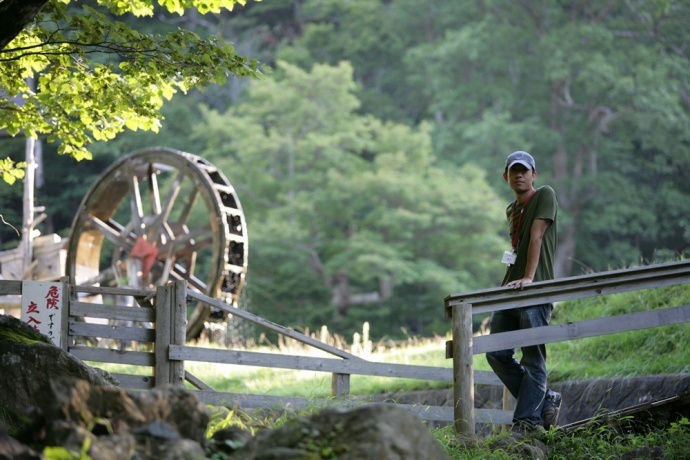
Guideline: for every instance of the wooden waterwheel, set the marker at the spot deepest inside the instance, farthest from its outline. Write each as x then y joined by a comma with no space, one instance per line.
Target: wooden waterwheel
158,215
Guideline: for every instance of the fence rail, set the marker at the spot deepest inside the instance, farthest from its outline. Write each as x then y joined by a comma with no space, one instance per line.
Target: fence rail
461,307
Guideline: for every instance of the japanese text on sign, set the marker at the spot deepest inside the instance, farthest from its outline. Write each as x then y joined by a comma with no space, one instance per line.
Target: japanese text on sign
42,308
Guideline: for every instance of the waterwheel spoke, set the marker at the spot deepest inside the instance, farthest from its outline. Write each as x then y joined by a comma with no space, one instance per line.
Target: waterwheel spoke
163,209
187,209
179,273
155,198
113,231
136,205
104,278
183,250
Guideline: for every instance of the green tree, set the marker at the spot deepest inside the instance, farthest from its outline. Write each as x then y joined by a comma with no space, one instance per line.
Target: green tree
350,219
362,32
96,75
598,91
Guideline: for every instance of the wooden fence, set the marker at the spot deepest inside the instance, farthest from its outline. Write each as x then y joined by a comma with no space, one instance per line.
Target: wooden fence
461,307
101,319
160,324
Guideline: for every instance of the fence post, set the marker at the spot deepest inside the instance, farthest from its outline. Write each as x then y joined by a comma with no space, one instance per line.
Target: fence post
340,385
463,373
171,315
179,329
69,295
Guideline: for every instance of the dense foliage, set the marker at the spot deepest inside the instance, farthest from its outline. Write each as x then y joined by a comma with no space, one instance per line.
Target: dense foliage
369,158
349,210
78,74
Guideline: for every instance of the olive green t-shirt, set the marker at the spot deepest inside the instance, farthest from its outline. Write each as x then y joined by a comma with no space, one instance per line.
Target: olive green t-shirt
542,205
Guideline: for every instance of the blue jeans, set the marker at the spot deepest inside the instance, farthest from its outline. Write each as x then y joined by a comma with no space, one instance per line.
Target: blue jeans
526,380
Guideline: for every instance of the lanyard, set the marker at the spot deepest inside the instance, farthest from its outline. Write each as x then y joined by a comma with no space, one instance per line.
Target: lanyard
516,235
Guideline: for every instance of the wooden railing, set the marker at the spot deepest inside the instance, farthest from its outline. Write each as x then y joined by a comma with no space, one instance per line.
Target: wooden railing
159,324
156,329
461,307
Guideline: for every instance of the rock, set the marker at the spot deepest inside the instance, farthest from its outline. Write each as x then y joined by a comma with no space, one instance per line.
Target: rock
230,439
10,448
375,432
111,423
114,447
70,399
28,363
178,407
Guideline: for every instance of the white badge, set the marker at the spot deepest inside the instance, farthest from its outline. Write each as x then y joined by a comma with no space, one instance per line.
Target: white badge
508,257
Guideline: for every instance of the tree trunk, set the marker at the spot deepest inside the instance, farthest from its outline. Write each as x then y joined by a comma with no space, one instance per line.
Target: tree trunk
565,253
15,15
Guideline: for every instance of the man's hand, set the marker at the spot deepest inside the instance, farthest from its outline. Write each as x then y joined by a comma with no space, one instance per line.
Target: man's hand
519,284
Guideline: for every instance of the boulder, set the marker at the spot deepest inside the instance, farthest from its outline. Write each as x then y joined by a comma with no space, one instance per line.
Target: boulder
28,363
109,423
374,432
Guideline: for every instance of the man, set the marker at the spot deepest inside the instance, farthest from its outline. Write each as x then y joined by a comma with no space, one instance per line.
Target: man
532,220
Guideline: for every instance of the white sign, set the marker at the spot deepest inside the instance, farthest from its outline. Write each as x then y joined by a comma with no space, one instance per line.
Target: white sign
42,308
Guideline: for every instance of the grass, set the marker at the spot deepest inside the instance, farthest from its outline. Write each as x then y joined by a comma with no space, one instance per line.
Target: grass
591,442
654,351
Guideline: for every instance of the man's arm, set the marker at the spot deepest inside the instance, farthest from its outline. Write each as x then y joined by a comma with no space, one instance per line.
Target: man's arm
536,233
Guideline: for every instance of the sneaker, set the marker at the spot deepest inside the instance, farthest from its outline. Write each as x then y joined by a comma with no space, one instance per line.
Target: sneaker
552,407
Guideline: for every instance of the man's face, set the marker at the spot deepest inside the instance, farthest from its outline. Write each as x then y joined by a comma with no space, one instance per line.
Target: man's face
520,178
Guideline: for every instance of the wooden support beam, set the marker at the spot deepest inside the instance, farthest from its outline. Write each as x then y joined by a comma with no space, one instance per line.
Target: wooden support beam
162,368
463,375
340,385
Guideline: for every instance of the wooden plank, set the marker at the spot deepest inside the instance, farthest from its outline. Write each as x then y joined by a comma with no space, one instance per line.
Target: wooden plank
493,416
116,312
534,296
105,355
178,333
619,276
582,329
486,378
272,326
429,413
332,365
65,341
137,382
463,375
340,385
72,299
123,291
10,287
106,331
246,401
614,281
164,325
306,363
196,382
